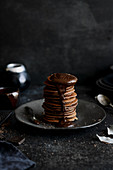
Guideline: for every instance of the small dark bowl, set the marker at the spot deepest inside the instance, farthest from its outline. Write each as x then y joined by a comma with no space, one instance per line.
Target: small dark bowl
8,97
17,76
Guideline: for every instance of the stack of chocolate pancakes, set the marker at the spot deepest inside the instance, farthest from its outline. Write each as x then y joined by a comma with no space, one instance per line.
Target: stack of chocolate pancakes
60,98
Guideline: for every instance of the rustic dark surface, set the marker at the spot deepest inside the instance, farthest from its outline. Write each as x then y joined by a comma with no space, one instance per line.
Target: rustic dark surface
72,149
57,36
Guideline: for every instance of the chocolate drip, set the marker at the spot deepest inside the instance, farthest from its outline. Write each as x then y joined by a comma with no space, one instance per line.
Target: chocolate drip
63,121
61,90
65,124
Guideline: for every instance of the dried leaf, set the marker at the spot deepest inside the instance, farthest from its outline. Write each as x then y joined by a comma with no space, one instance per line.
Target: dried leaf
2,137
110,130
105,139
1,131
6,124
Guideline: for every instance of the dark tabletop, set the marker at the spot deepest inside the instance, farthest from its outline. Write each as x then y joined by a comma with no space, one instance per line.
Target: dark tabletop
72,149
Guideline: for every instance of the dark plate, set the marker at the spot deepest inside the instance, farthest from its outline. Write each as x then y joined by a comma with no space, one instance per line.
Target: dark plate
89,114
108,79
103,86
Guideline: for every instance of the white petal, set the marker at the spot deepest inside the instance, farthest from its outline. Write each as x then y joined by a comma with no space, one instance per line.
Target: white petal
105,139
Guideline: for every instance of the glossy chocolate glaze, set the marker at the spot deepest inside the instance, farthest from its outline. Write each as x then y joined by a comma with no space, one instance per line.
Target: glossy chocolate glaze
63,78
61,90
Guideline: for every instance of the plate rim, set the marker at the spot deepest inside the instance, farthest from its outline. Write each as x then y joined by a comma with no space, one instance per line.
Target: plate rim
104,79
107,86
103,87
58,128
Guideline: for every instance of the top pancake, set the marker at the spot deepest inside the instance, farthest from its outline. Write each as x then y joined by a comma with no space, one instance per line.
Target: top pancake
62,78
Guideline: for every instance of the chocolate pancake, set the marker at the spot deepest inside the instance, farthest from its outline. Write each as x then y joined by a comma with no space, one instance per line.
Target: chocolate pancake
54,120
59,108
53,87
71,103
60,116
56,92
47,95
58,111
55,113
60,98
57,100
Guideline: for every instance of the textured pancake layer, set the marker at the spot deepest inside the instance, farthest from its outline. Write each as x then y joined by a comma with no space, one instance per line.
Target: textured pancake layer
60,98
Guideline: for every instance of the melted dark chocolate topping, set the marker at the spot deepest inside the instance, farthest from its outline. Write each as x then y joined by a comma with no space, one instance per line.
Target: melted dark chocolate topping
64,123
63,78
61,90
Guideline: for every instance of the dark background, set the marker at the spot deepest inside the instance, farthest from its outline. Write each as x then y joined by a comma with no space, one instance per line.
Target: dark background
74,36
